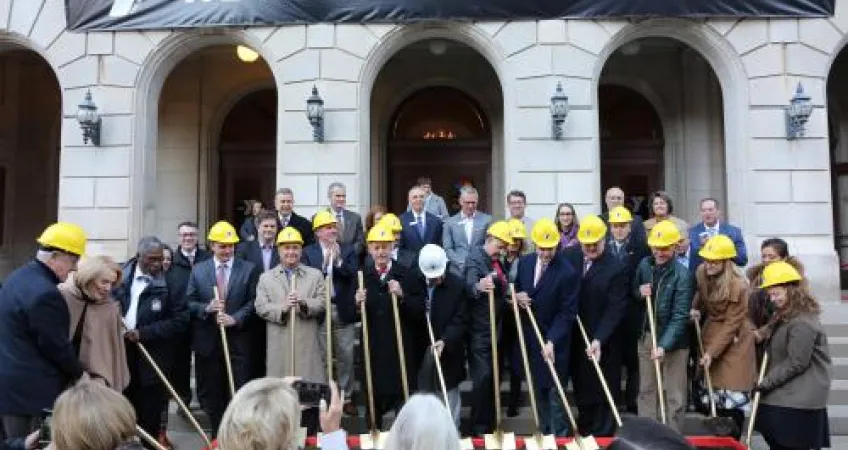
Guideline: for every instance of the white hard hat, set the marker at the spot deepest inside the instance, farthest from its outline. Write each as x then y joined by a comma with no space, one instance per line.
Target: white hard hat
432,261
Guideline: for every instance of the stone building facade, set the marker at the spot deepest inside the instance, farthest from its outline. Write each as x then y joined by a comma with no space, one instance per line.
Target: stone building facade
188,130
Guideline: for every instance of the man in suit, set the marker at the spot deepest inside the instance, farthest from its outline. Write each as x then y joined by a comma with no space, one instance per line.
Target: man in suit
603,303
710,226
37,358
339,262
235,280
629,249
419,227
433,203
548,286
154,317
286,217
615,197
465,230
262,252
516,202
187,254
483,273
349,223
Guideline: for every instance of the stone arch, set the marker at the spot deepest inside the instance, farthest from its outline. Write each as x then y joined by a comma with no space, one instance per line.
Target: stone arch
150,81
398,39
730,71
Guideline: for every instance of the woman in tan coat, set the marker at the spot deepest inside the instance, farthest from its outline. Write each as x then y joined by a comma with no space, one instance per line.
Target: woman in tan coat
728,336
96,328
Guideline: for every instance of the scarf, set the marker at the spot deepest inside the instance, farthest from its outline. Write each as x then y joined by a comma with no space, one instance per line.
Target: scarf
102,352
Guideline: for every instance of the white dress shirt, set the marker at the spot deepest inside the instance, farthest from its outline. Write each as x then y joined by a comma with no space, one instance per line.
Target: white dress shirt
139,282
713,230
468,222
189,255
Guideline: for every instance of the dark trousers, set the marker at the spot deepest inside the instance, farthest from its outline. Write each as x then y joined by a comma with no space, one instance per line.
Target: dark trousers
482,394
595,419
148,401
17,426
383,403
631,329
509,355
182,368
213,389
258,348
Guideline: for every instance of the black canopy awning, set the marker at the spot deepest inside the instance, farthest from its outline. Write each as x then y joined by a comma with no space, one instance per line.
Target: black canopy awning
159,14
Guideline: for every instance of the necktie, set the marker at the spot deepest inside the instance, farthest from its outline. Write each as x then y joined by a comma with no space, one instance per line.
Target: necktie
190,257
340,222
420,225
284,220
222,281
499,270
288,275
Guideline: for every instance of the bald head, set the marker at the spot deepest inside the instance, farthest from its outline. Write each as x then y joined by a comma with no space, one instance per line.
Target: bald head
614,197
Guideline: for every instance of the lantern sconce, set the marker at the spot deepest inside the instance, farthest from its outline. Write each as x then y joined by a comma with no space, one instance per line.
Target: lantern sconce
798,113
559,111
315,114
89,120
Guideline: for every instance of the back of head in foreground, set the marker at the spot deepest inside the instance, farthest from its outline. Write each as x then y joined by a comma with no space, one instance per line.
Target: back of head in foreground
642,433
263,415
91,416
423,424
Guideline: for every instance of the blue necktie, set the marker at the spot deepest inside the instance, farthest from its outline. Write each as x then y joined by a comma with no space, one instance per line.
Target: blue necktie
419,224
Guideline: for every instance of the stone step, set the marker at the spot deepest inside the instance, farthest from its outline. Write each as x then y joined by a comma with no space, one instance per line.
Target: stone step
840,368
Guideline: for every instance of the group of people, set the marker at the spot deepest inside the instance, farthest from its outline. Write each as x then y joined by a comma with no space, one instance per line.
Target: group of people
438,297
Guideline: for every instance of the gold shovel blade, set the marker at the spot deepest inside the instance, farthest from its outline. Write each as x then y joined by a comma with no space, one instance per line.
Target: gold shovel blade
500,441
373,441
533,442
466,444
300,438
587,442
549,442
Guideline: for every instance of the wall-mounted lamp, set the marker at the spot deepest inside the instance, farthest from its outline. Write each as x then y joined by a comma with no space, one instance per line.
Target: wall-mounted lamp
559,111
315,114
797,113
89,120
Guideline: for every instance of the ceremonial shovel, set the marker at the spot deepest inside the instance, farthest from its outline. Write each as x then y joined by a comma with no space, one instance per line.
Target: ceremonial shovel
537,441
579,442
756,405
720,426
657,368
600,373
374,440
498,440
226,347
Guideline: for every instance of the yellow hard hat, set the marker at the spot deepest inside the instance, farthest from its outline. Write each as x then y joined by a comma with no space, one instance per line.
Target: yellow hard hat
323,218
391,222
592,229
501,230
717,248
620,214
545,233
779,272
290,235
663,234
517,229
64,236
380,233
223,233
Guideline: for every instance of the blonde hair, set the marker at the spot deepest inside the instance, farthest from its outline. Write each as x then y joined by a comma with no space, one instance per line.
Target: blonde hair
263,415
727,286
90,269
90,416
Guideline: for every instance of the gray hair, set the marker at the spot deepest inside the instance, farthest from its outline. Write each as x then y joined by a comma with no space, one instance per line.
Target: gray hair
468,190
423,424
44,255
284,191
148,244
335,185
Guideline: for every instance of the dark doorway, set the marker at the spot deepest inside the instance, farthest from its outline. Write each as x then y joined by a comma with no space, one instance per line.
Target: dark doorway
631,144
247,153
441,133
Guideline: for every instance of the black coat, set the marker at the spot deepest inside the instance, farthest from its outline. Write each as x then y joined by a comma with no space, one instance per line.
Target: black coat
251,251
344,278
637,226
602,306
385,364
178,275
448,317
409,237
478,265
37,359
162,317
241,291
301,224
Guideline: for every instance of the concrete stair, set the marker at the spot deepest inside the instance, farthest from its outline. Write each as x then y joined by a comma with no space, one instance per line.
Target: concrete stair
834,317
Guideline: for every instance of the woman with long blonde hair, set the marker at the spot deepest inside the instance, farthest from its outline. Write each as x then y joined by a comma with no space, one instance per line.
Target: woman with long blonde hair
721,300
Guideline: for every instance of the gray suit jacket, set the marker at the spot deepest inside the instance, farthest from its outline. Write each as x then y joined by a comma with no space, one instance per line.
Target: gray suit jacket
455,240
352,232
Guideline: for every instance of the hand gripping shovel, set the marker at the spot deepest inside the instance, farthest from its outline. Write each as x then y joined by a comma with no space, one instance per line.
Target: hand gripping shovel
719,426
579,442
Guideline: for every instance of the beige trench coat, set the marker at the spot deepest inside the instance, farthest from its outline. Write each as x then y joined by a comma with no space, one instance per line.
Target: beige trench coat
273,287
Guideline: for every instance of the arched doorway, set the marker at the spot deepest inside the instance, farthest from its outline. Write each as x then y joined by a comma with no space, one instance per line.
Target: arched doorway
436,112
631,143
247,154
30,129
662,124
216,134
441,132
